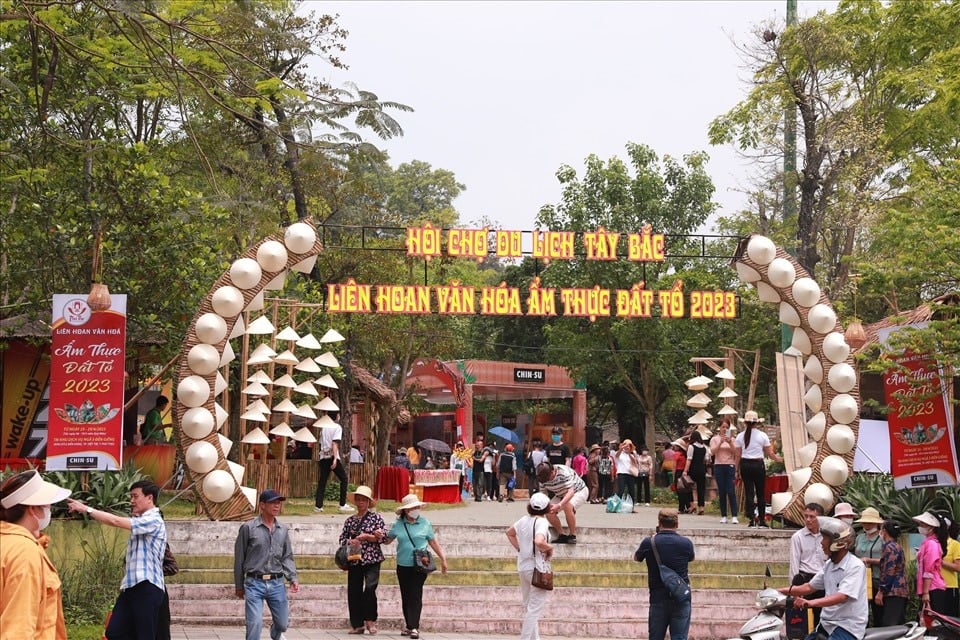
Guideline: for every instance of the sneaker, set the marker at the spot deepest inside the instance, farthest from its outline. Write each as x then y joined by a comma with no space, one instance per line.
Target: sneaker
723,520
571,539
752,525
318,509
734,520
763,525
562,539
346,508
646,504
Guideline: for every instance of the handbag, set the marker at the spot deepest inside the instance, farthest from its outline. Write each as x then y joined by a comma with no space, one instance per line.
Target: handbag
541,579
422,558
684,484
677,587
342,555
170,566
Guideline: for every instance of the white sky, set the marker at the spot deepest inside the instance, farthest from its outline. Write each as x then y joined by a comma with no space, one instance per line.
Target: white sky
506,92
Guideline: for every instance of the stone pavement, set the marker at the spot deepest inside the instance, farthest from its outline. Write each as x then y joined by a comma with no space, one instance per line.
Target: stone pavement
236,633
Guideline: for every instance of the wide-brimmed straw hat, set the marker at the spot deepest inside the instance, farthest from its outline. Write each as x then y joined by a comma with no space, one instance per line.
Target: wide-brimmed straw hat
35,492
870,516
751,416
409,502
364,491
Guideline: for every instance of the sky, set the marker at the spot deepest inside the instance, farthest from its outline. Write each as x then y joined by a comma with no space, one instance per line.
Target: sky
505,93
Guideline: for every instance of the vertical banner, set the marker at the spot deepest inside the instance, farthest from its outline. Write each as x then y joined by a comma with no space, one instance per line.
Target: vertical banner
86,384
26,372
921,429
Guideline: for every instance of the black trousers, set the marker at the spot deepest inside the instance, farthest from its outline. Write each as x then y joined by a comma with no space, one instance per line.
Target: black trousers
362,581
136,613
326,464
411,594
754,476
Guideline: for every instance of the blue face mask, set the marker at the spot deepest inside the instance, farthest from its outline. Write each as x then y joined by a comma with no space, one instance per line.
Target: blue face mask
556,438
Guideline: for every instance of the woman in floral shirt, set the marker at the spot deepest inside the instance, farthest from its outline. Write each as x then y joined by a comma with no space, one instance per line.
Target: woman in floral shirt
364,530
892,594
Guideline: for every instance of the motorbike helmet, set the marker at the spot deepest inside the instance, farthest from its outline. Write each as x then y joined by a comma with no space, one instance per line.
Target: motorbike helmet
837,531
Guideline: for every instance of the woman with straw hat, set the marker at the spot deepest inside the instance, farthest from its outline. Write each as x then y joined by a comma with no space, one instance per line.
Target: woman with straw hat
30,596
412,531
362,532
752,445
869,548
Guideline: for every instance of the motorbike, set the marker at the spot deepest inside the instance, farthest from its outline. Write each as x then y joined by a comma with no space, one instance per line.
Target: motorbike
768,623
944,627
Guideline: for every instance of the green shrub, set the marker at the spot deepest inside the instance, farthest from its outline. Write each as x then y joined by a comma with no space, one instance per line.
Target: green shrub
90,561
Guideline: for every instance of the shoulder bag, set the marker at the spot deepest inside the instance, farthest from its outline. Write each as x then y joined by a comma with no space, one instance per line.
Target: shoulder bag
677,587
422,558
541,579
170,566
342,555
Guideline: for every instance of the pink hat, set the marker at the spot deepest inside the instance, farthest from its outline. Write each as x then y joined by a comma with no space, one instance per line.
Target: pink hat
844,509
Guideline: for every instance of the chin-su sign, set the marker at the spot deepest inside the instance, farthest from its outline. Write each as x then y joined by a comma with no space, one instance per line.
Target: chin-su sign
594,302
86,384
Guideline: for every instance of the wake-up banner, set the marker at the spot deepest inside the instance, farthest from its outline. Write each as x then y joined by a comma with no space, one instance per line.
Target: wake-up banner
921,431
86,384
593,302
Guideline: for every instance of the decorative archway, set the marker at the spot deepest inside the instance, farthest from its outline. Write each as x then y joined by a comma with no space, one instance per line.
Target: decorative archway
206,348
832,394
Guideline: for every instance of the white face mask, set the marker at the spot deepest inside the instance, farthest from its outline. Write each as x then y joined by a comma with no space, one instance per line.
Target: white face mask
870,531
44,522
413,514
923,530
849,521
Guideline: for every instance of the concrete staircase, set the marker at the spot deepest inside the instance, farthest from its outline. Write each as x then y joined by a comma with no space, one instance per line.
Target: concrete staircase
601,591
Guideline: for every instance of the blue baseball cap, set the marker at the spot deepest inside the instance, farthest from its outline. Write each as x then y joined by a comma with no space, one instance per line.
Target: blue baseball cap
270,495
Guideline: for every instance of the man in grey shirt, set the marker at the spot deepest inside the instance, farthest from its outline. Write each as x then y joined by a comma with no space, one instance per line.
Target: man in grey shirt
263,558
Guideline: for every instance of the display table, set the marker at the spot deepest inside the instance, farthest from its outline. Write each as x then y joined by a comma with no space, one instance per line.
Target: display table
439,485
392,483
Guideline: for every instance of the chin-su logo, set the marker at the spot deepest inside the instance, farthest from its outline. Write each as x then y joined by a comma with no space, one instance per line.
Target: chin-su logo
76,312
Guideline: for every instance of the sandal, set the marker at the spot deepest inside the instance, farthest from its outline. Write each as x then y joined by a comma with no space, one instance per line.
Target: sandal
356,631
371,627
414,634
405,632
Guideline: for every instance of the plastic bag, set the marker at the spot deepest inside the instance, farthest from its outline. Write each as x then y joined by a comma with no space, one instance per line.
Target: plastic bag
626,504
613,504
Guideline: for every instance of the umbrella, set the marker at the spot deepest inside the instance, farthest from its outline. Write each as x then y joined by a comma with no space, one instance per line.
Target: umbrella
432,444
506,434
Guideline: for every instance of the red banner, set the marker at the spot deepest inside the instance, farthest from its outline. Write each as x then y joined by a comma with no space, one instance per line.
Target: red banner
86,384
921,430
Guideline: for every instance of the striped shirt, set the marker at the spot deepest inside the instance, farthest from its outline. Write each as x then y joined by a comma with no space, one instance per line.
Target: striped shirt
562,481
148,540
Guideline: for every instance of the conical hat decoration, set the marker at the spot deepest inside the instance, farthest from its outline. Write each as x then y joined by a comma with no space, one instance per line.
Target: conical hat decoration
284,406
699,401
309,342
698,383
306,388
327,405
285,381
260,376
727,392
327,360
303,435
324,422
255,436
283,430
326,381
286,358
288,334
308,365
260,327
331,336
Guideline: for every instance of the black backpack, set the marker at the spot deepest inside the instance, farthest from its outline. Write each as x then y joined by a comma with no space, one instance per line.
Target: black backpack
528,467
506,461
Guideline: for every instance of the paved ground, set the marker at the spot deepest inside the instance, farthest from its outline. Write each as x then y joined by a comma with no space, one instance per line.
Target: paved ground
479,513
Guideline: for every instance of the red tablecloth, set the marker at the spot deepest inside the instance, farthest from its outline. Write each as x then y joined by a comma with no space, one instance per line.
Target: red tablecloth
775,484
392,483
441,493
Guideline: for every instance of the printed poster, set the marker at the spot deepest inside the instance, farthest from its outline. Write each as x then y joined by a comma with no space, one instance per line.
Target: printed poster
86,384
23,401
921,429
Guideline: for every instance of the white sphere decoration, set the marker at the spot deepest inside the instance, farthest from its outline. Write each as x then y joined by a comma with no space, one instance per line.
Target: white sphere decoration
834,470
299,237
816,425
806,454
193,391
801,342
761,249
747,273
781,273
766,293
211,328
835,347
821,494
842,377
813,398
799,478
813,369
197,423
822,318
806,292
272,255
219,485
841,439
203,359
201,456
245,273
779,501
844,409
789,315
227,301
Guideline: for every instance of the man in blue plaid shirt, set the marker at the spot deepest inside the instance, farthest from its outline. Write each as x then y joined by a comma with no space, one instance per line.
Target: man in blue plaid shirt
136,613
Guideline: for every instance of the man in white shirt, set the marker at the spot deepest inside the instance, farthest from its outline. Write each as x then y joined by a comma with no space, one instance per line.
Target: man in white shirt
806,559
329,460
843,578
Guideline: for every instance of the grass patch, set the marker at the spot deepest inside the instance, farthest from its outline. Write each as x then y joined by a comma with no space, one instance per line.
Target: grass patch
182,509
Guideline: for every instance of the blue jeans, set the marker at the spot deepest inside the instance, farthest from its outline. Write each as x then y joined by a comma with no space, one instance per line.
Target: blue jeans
838,633
668,613
724,475
255,591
